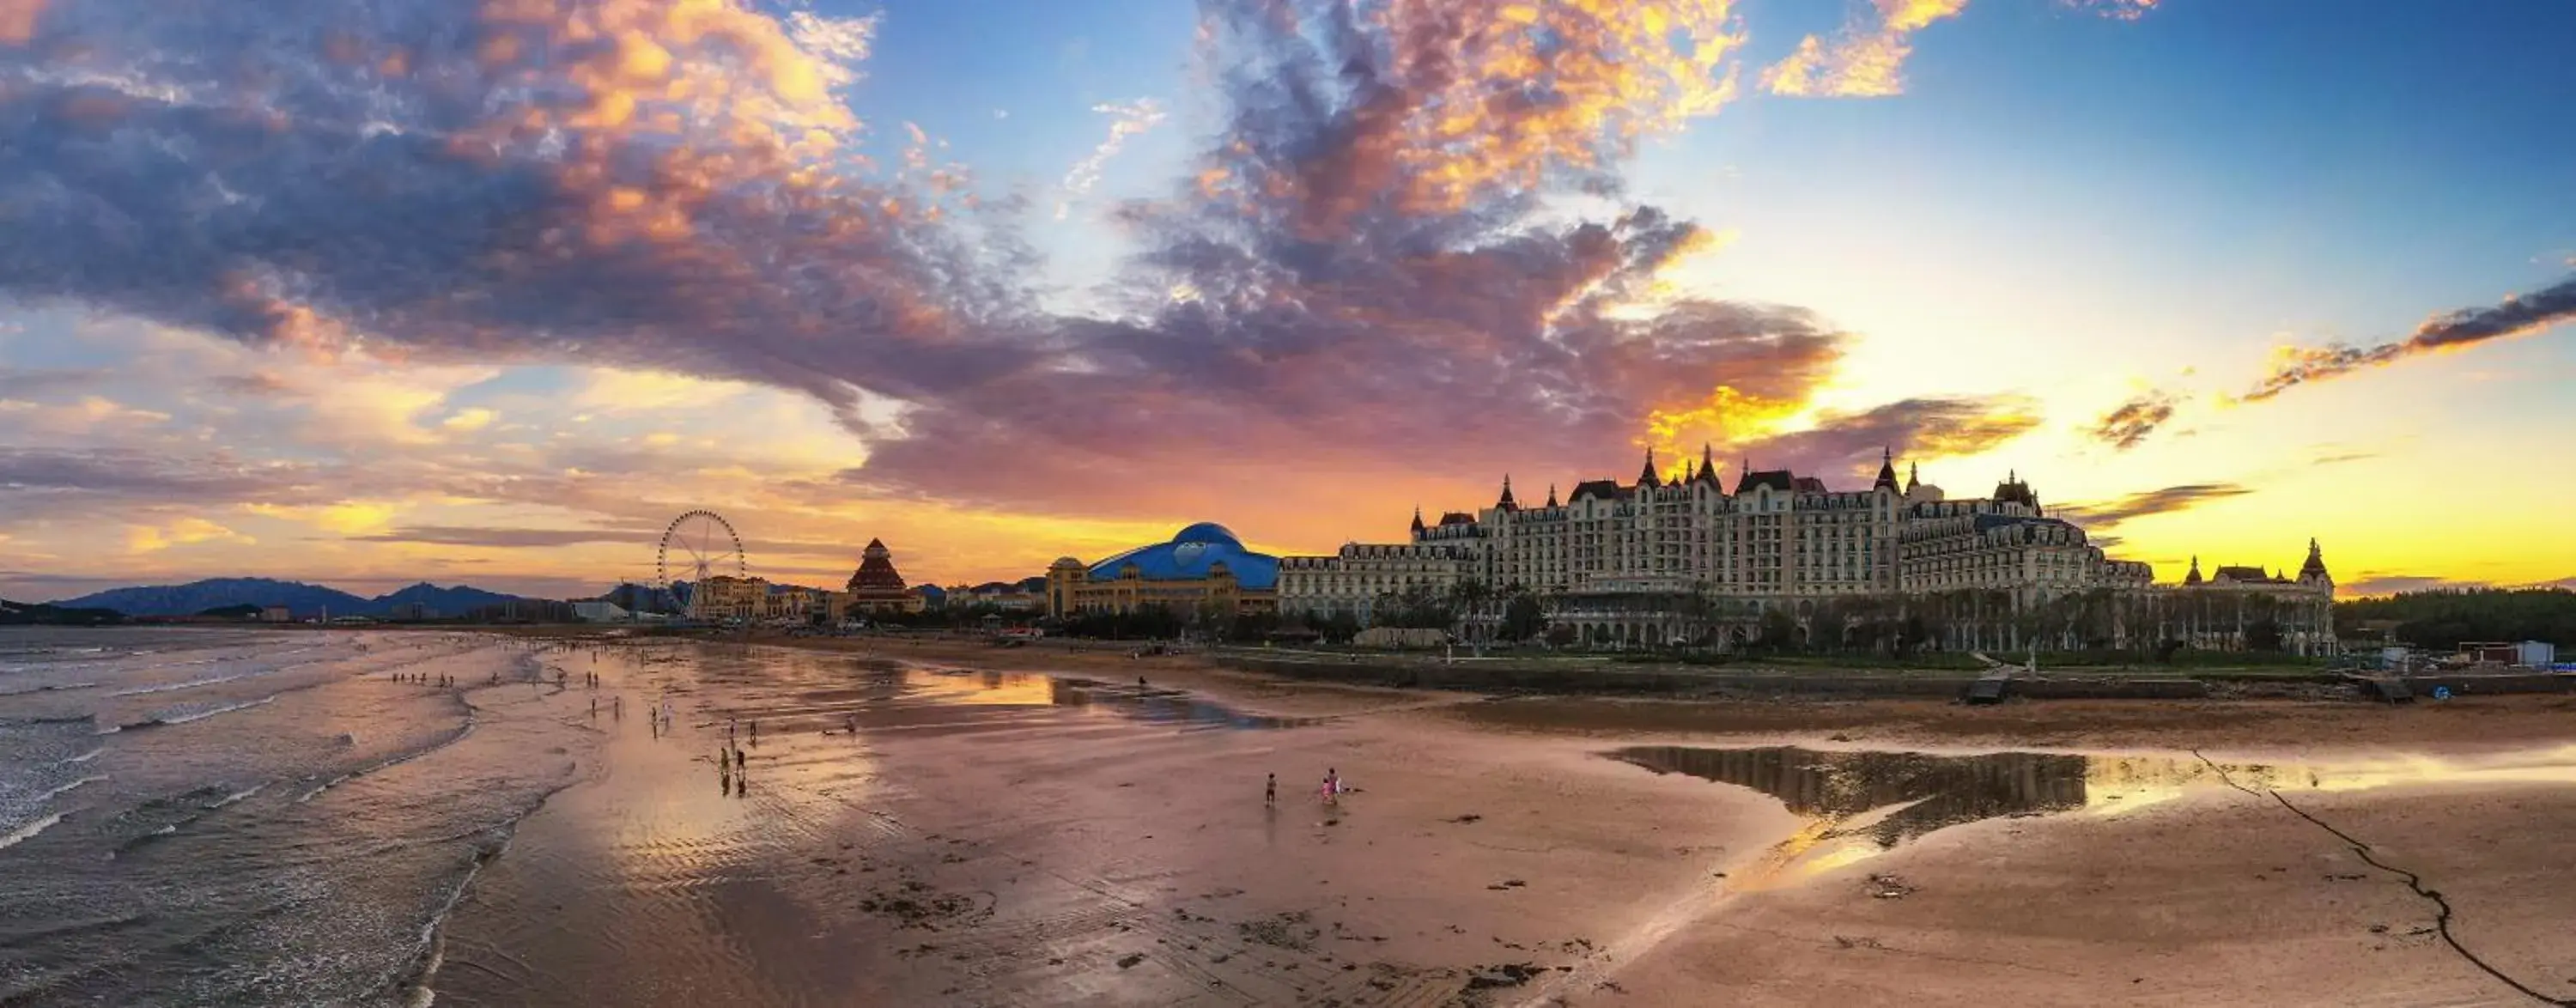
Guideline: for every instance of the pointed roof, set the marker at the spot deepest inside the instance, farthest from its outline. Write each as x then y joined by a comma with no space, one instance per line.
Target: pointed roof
1781,480
1506,503
1646,476
1603,489
1707,464
2315,568
2013,489
1886,470
2193,578
1551,495
876,576
1913,476
1417,517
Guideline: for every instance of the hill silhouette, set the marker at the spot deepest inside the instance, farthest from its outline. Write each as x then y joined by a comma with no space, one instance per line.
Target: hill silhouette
305,601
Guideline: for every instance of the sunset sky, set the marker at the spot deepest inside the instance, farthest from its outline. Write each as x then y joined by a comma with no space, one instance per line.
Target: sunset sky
488,291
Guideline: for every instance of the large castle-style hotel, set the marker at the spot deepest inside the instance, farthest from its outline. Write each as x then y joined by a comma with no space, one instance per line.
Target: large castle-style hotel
1683,557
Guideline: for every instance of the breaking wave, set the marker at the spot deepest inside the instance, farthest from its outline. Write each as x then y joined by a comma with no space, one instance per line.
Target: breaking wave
27,832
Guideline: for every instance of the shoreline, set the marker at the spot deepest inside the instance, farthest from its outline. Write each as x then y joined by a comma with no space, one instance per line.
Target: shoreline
2473,722
1501,850
1609,677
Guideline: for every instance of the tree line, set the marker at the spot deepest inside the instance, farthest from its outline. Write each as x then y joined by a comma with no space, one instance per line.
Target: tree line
2441,619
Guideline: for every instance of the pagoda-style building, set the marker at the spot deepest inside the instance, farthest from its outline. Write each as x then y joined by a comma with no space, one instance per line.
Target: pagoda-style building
877,588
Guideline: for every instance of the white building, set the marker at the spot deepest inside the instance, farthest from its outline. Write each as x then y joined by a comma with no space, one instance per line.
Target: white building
1682,557
1354,579
598,611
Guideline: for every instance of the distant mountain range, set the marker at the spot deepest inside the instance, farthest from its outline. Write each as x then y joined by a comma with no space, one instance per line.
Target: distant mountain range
304,600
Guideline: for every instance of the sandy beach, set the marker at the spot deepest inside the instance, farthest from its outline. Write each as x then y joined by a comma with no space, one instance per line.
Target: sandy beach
992,836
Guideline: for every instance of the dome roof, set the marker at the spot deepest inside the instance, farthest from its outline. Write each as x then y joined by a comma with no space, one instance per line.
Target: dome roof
1207,532
1191,555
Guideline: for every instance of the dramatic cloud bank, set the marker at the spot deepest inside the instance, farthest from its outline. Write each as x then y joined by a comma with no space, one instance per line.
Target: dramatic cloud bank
2516,316
1410,228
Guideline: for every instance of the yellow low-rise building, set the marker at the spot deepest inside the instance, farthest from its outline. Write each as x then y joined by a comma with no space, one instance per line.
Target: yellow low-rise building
1202,568
726,597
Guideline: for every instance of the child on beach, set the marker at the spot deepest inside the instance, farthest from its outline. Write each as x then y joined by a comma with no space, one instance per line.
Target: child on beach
1270,791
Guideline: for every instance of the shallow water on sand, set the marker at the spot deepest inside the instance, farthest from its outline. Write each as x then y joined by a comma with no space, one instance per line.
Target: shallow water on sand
671,881
1860,802
224,816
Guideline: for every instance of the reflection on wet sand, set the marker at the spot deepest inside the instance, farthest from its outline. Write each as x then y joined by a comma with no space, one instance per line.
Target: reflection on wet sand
952,686
1860,803
1925,792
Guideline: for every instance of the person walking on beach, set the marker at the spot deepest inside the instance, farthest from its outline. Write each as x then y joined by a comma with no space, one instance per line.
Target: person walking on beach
737,761
1270,791
755,733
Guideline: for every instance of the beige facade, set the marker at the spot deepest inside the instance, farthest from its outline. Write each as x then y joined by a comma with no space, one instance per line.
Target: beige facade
1353,579
1678,558
2222,612
1071,591
726,597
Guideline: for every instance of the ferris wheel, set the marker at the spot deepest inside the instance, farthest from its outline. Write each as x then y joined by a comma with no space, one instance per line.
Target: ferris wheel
698,545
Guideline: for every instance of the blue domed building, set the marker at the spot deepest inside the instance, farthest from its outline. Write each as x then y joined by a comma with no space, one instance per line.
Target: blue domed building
1200,565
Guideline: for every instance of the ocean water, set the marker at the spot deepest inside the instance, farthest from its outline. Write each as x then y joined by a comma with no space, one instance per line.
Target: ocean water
195,816
278,817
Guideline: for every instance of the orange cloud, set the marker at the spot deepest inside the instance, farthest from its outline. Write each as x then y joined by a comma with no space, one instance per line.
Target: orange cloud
18,20
2521,315
1868,61
183,532
1726,417
1864,63
2128,424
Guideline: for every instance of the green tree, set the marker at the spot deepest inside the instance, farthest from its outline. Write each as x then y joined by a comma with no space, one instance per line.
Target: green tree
1340,627
2263,635
1779,630
2447,618
1523,617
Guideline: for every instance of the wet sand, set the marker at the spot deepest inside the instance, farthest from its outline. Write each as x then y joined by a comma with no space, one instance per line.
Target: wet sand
998,839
